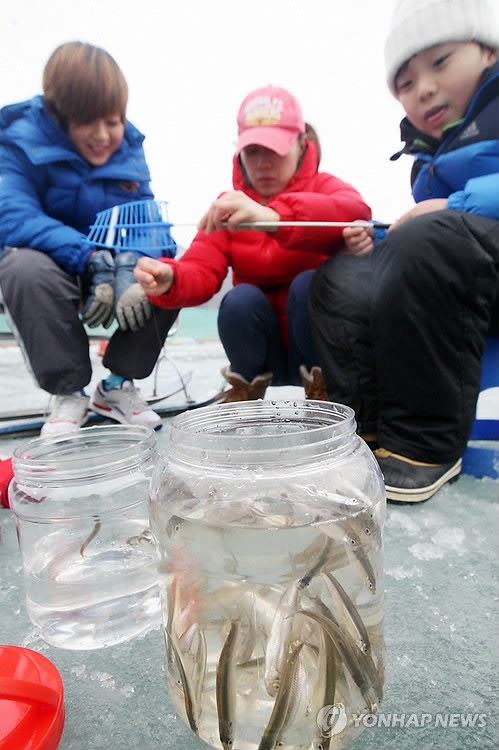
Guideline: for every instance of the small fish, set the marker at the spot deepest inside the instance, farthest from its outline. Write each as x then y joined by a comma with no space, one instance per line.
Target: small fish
191,708
276,723
360,560
174,525
282,625
318,564
360,666
298,703
343,531
92,535
279,639
327,681
144,538
347,611
225,690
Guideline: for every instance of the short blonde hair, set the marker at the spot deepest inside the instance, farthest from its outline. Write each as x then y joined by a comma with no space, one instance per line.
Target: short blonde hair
83,83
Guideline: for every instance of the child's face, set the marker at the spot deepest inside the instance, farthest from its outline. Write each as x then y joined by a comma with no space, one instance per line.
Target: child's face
97,141
268,172
436,86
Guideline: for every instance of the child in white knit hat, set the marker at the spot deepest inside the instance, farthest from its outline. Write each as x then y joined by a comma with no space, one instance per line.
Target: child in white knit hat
400,330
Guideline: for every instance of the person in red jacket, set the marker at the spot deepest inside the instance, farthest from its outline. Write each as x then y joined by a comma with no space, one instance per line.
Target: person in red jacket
263,320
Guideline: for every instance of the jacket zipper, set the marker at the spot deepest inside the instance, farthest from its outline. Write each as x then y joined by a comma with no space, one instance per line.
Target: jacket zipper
431,172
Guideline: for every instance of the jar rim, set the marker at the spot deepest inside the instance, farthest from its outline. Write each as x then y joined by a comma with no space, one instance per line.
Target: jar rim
314,428
64,459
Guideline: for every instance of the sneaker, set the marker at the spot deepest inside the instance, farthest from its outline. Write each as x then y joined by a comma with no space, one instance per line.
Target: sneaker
67,414
408,481
123,403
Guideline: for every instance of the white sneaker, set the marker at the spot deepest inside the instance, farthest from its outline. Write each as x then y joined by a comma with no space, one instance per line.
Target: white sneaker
124,404
67,414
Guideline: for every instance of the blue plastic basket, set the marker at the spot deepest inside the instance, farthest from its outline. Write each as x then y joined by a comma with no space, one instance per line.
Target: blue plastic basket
142,226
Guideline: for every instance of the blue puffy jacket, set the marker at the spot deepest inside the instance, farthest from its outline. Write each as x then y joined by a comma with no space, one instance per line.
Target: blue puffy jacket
464,165
49,194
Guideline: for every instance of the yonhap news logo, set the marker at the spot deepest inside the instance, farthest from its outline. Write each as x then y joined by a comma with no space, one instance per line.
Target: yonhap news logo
333,719
417,721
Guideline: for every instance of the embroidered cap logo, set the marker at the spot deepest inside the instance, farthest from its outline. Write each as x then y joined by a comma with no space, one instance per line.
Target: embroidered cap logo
263,110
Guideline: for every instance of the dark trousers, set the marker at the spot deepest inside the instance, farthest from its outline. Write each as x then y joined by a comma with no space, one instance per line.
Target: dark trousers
400,333
249,331
42,302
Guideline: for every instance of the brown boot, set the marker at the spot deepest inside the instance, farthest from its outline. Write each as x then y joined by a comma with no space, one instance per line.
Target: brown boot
313,382
242,390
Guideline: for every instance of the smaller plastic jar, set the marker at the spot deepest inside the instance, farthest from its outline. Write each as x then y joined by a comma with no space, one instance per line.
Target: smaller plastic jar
269,521
90,565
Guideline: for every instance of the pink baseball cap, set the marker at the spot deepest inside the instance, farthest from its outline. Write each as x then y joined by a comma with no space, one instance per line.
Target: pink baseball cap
269,117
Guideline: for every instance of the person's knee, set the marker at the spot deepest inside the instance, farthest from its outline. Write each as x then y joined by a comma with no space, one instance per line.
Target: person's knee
423,239
239,300
26,267
299,289
341,283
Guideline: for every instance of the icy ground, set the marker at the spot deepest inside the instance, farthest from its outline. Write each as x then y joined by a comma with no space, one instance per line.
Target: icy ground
441,613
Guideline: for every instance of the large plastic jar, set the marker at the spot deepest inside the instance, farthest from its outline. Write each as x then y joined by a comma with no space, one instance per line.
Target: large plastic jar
268,517
89,559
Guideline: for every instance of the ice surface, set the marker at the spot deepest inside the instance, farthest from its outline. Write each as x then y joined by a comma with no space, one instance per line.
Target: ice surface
440,626
441,620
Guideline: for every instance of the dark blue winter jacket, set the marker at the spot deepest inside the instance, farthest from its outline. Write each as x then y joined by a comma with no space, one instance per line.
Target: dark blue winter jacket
463,165
49,194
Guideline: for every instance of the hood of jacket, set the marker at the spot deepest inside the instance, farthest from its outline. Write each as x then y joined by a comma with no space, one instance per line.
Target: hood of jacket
30,126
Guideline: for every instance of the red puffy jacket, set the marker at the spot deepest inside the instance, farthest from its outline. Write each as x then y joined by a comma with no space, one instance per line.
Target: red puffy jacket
270,261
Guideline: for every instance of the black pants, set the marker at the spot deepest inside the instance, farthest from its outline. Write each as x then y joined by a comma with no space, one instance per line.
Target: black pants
400,333
42,302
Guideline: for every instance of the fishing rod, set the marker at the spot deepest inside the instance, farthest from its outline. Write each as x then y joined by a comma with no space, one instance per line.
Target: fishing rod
279,224
143,225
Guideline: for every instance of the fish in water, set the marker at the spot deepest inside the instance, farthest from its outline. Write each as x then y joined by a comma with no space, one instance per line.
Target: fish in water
360,666
347,612
277,720
225,689
92,535
191,707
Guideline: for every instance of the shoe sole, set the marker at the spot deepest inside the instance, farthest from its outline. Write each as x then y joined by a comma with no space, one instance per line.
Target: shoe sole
68,432
419,494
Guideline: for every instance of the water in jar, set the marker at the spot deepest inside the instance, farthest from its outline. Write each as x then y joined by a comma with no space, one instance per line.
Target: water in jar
92,583
273,617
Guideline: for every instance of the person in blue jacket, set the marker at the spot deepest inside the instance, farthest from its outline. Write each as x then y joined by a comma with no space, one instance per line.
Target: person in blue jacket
400,324
64,157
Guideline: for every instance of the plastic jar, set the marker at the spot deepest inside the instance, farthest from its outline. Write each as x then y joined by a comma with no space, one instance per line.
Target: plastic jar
269,519
90,564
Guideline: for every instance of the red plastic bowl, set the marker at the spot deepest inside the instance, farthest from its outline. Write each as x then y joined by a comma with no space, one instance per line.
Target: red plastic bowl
31,701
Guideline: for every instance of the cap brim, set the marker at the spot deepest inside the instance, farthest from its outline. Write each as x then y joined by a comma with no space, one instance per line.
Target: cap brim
279,140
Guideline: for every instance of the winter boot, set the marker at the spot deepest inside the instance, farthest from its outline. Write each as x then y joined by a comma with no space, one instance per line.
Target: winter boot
242,390
313,382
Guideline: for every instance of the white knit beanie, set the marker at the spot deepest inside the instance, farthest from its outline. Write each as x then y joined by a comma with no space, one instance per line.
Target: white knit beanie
419,24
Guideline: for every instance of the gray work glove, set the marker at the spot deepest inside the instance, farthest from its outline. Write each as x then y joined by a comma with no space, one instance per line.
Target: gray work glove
99,310
132,308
